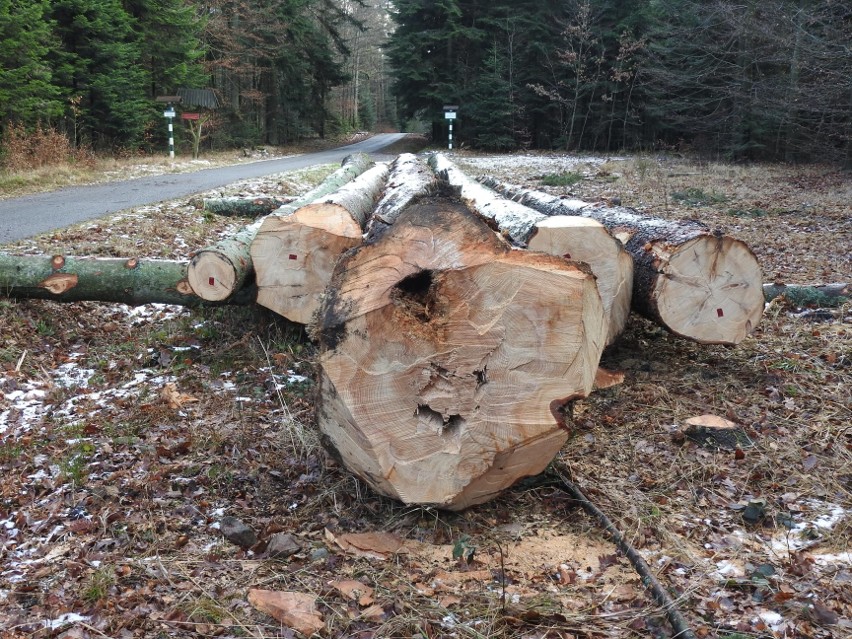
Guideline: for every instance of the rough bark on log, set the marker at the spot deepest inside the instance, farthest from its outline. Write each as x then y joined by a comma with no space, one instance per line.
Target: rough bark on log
698,284
514,220
216,272
571,237
73,279
409,179
244,206
821,296
449,361
295,255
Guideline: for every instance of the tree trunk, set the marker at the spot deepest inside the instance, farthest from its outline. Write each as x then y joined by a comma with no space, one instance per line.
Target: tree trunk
216,272
74,279
697,284
245,206
409,179
566,236
295,255
449,361
823,296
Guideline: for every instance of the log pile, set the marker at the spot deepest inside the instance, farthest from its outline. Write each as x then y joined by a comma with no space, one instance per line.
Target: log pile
456,327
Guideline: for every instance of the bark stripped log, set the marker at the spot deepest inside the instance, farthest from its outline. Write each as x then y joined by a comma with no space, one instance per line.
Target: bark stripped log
294,256
698,284
409,180
449,361
244,206
216,272
571,237
74,279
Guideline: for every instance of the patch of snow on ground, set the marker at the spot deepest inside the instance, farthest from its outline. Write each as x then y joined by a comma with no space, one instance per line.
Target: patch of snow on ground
534,163
824,517
64,620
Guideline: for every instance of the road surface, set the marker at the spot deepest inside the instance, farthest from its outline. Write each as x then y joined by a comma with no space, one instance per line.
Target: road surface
30,215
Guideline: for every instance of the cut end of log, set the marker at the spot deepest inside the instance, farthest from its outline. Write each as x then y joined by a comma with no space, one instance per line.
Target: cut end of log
443,351
586,240
294,263
712,431
212,276
710,289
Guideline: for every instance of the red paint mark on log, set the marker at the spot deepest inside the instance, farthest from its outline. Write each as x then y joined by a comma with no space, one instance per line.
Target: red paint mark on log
720,312
567,256
293,257
211,281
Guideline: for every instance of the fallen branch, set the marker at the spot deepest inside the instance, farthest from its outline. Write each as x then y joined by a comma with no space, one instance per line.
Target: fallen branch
679,624
823,296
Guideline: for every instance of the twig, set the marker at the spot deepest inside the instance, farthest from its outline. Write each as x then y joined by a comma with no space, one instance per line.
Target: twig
679,624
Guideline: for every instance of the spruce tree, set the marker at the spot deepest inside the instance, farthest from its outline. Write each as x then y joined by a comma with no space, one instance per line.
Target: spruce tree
99,67
27,91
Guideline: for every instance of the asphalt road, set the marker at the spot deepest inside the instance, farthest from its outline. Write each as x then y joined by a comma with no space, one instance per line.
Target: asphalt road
30,215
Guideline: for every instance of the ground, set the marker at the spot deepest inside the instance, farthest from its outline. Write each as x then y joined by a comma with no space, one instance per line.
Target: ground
129,435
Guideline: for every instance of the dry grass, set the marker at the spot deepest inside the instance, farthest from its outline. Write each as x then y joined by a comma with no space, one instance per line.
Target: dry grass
142,559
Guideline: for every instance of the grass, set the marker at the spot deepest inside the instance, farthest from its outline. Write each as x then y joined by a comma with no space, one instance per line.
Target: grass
568,178
694,196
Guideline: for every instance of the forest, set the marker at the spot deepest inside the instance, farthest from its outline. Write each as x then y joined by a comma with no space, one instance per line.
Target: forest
735,80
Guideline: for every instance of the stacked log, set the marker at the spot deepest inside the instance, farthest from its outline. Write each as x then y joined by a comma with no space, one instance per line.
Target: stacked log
450,361
572,237
218,271
697,283
451,354
294,255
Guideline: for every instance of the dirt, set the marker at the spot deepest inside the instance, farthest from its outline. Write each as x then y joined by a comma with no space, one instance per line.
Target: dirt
128,434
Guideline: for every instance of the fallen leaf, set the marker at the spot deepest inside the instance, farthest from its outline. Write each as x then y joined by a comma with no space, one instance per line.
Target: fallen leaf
294,609
606,379
174,398
374,545
354,590
449,600
373,613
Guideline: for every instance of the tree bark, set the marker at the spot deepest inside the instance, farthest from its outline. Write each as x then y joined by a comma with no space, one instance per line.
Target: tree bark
698,284
244,206
216,272
409,180
294,256
823,296
571,237
73,279
449,361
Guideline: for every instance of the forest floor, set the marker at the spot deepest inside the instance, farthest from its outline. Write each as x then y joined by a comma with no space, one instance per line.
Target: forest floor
130,436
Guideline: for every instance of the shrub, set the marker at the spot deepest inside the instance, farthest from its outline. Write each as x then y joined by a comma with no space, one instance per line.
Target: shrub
24,150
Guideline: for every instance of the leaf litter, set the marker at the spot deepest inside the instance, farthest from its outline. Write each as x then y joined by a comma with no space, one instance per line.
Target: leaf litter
128,435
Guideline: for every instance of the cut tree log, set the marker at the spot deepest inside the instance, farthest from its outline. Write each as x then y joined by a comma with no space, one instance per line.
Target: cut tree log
821,296
449,362
244,206
571,237
294,256
65,278
409,180
696,283
216,272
